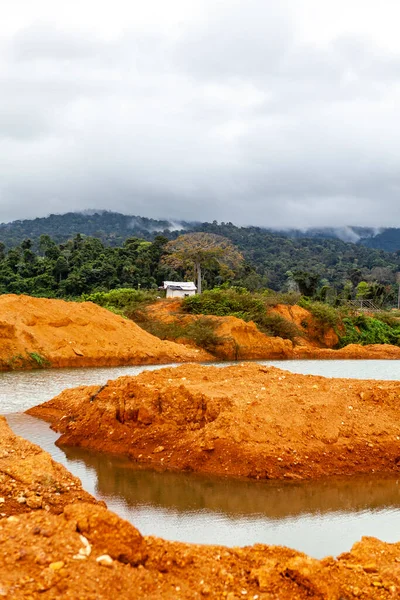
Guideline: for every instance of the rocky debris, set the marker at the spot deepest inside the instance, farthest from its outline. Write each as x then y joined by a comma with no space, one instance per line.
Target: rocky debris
41,558
38,332
31,480
243,420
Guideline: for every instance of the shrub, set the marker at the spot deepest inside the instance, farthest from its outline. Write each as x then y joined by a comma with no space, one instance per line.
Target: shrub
368,330
122,301
238,302
200,331
324,313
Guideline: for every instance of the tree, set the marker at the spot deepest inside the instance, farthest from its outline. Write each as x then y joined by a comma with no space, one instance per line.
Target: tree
307,282
201,250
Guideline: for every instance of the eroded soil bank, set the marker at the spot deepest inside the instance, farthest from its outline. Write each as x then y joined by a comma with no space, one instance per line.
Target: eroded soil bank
245,420
241,340
39,332
56,542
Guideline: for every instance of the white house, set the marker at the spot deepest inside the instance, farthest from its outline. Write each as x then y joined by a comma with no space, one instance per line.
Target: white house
179,289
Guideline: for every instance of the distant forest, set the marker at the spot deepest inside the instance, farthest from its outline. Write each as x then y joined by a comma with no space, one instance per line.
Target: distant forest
67,255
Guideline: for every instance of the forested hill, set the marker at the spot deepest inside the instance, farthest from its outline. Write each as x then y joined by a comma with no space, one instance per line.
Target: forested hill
109,227
271,257
114,228
275,255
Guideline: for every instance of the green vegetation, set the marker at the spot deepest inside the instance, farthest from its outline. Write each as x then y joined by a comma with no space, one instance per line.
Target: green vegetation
122,301
324,313
368,330
31,360
200,331
240,303
54,257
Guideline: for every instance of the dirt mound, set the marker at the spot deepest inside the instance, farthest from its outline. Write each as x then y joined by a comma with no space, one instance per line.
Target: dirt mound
244,341
30,479
352,351
247,420
57,543
39,332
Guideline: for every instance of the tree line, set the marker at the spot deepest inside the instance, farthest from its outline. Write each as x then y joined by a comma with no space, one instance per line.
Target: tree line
326,269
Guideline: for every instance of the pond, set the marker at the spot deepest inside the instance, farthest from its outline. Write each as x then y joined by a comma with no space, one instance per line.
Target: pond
320,518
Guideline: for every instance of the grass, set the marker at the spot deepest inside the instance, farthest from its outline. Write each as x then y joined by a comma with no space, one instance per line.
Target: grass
31,360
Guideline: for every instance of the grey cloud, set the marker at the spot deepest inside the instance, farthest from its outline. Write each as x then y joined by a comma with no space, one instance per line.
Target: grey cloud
234,119
49,42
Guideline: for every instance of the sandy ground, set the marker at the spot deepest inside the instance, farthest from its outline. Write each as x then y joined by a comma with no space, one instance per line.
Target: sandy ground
56,542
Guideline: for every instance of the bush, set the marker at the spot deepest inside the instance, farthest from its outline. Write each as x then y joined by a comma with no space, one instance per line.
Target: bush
368,330
122,301
238,302
200,331
324,313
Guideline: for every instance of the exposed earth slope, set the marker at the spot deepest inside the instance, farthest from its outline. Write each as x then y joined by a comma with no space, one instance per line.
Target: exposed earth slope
245,420
240,340
38,332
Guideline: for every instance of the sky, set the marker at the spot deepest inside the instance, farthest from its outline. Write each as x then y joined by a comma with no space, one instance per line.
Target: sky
278,113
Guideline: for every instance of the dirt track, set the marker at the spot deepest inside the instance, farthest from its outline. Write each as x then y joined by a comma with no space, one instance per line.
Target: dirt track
72,548
246,420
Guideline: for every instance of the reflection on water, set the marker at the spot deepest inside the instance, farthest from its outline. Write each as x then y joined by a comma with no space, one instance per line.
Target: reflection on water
319,518
186,492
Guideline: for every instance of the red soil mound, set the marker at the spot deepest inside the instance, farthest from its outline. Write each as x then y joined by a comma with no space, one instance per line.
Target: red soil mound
70,334
247,420
30,479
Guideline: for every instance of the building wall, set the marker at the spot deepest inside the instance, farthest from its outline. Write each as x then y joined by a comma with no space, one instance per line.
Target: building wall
179,293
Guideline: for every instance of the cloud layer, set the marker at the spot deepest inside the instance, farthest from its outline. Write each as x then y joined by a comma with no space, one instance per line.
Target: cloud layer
271,113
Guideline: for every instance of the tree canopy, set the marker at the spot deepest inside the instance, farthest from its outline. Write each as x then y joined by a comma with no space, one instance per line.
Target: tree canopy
200,251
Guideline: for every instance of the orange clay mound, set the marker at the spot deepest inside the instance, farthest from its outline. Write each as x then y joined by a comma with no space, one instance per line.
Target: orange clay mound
245,420
244,341
57,542
71,334
238,340
352,351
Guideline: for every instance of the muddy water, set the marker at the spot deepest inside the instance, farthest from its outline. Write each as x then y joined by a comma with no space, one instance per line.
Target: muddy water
319,518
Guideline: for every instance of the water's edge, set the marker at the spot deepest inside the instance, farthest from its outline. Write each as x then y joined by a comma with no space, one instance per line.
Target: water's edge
319,518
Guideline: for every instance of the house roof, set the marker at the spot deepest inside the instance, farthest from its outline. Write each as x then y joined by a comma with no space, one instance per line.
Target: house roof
187,286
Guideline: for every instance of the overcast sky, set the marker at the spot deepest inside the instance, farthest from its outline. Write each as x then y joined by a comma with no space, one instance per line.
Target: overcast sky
265,112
